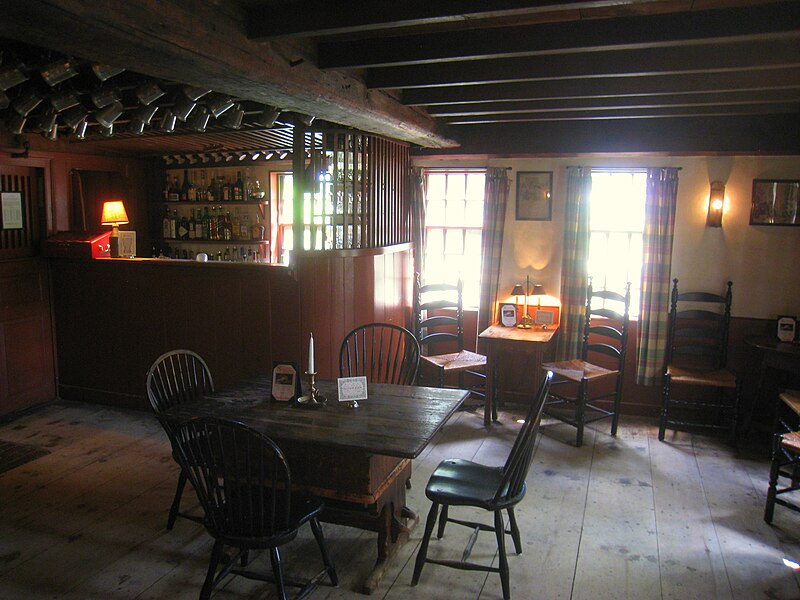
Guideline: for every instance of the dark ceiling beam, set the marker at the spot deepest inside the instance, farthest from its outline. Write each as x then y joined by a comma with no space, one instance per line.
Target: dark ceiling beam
204,44
610,87
615,63
675,112
606,105
766,21
759,134
323,17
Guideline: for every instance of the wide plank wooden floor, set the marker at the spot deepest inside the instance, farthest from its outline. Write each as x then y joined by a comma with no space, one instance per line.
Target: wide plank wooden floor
629,517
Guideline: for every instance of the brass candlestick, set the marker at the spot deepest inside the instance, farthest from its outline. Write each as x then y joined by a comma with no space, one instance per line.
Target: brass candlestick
314,396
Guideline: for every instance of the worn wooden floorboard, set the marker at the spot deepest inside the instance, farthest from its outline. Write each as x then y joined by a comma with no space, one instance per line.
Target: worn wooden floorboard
627,517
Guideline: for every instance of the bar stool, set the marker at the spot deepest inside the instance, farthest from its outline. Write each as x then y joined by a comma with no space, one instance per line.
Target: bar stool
785,460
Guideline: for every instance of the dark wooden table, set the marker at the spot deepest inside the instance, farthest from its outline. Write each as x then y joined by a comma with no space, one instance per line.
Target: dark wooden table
357,459
778,361
532,342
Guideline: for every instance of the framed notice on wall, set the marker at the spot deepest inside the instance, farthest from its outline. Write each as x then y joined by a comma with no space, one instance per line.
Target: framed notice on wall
12,210
534,195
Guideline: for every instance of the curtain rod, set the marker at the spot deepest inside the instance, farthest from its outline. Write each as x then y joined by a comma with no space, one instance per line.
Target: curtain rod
625,169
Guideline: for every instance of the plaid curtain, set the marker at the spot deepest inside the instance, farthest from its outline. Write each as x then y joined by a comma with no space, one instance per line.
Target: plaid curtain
662,193
417,191
494,217
575,266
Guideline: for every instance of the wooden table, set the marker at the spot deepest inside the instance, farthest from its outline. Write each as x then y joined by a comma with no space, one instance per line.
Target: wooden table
783,357
498,339
357,459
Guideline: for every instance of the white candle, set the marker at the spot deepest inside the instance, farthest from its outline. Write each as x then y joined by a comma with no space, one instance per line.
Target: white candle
311,354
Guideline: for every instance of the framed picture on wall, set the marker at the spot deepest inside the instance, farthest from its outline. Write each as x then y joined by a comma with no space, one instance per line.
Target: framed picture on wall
534,195
775,202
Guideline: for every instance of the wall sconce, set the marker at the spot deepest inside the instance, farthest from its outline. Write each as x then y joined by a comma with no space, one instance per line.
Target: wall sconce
114,214
716,202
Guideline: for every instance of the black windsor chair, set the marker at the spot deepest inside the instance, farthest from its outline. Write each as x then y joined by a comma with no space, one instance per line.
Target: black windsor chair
177,377
383,352
458,482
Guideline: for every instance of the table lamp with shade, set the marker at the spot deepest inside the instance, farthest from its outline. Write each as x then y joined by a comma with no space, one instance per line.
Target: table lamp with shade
538,292
525,321
114,214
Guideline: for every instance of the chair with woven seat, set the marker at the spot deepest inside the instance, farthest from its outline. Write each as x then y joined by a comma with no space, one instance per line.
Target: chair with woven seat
439,319
696,357
177,377
463,483
383,352
601,363
244,484
785,455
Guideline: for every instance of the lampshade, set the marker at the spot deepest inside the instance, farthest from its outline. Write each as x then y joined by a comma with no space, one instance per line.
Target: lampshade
538,290
114,213
716,203
518,291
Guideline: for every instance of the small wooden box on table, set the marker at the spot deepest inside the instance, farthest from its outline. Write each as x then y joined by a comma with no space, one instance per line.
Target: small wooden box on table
498,340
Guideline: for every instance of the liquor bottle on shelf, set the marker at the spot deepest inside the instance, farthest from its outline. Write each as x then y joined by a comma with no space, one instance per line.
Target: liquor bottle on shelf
192,226
173,225
225,189
258,193
202,190
184,193
244,227
206,225
167,188
183,228
212,194
257,231
191,194
227,256
227,227
248,186
166,227
235,232
237,189
174,190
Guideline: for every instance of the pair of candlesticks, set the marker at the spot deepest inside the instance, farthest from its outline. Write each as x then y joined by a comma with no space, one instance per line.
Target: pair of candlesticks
526,322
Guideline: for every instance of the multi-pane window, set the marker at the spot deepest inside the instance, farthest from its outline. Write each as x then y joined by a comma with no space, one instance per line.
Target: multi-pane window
616,223
454,225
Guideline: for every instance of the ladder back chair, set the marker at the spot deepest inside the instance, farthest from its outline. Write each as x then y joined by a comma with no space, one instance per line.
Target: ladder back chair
696,357
463,483
439,318
383,352
177,377
601,364
245,486
785,460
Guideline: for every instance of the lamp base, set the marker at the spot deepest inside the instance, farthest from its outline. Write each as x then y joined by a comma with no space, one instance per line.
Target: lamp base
113,246
525,322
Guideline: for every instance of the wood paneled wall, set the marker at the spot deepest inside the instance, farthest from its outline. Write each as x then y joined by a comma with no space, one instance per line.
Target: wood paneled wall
115,317
340,290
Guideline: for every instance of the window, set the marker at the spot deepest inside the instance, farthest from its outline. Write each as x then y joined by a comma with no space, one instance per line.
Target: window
285,220
616,223
454,225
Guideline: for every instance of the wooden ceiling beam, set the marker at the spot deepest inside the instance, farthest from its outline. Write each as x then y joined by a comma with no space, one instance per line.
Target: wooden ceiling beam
614,63
621,113
606,105
767,21
204,44
609,87
325,18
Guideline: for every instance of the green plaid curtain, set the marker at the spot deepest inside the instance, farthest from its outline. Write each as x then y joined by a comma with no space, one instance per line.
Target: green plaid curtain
662,193
417,184
575,267
494,217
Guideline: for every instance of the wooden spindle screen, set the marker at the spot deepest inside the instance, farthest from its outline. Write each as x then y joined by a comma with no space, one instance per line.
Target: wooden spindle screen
357,191
20,242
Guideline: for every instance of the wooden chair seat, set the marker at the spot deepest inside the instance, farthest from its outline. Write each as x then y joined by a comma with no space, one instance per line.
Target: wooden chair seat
455,362
791,398
715,378
576,370
791,441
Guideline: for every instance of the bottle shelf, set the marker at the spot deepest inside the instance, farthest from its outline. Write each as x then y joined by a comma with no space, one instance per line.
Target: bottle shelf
218,242
215,203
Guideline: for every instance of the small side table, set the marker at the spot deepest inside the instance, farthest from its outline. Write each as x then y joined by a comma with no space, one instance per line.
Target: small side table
532,342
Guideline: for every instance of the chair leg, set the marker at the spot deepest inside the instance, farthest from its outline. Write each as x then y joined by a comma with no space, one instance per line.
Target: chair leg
580,412
441,377
617,400
423,548
277,571
499,530
216,556
662,426
317,530
442,521
512,518
769,508
176,501
735,419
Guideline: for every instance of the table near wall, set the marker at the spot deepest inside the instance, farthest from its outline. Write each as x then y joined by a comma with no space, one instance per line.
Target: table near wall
498,340
357,460
778,362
